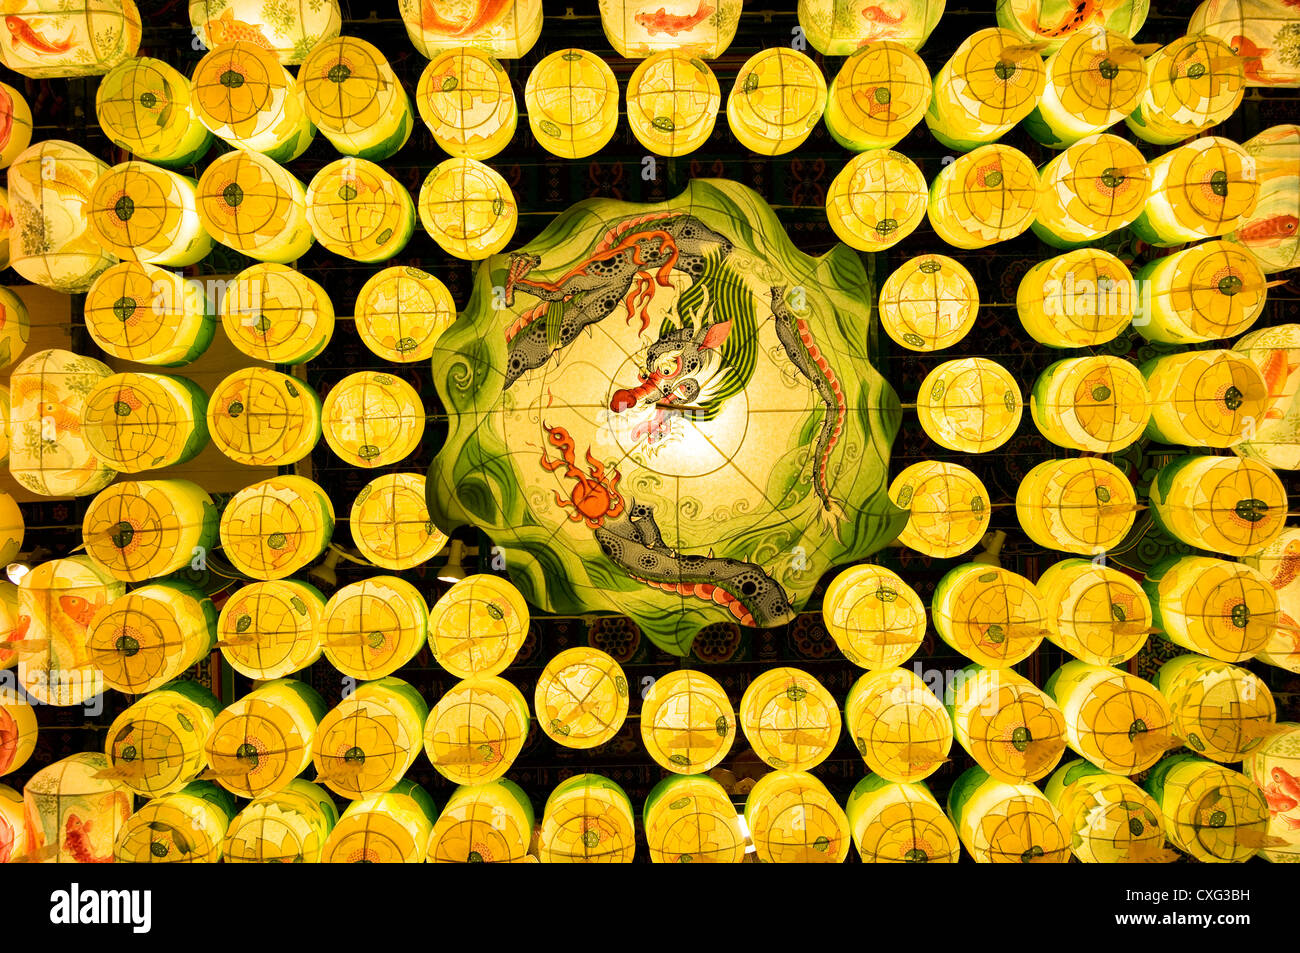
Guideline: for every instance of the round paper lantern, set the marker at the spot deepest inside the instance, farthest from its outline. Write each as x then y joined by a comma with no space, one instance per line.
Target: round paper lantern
136,422
1275,352
372,628
1222,609
290,30
901,730
989,84
876,619
1198,190
971,405
359,211
1204,398
506,29
879,95
262,741
151,635
1215,814
478,626
18,730
876,200
1118,721
243,95
1219,504
636,29
1012,729
1193,83
145,107
687,722
672,103
56,38
465,98
273,528
390,522
1095,404
149,315
838,27
1209,291
778,98
690,819
986,196
1001,823
929,303
1272,231
468,209
989,614
1078,505
13,826
288,826
366,744
1273,767
401,311
1082,298
581,698
249,203
271,629
1101,615
391,827
1052,22
12,530
1094,80
572,101
896,823
156,745
74,816
15,124
1109,818
1277,563
476,730
790,719
185,827
1255,30
50,240
794,820
354,98
372,419
1221,710
275,314
138,530
260,417
1097,185
484,823
948,508
587,820
144,212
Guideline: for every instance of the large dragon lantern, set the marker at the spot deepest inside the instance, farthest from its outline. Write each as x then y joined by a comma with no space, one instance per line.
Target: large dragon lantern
667,411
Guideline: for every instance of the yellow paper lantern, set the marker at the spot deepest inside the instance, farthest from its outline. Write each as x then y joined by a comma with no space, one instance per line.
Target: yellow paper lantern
12,530
989,84
138,530
1269,437
672,103
1226,610
790,719
15,124
1001,823
249,203
587,820
6,226
149,315
49,38
372,628
794,820
1209,291
260,417
1119,722
156,745
465,98
13,826
366,744
1220,504
146,213
690,819
289,826
145,107
505,28
778,98
262,742
1095,404
876,200
485,823
476,730
74,816
948,508
1095,79
897,724
186,827
929,303
50,241
18,730
1193,83
390,522
1276,562
359,211
151,635
1080,505
271,629
1215,814
1097,185
478,626
1199,190
1273,767
971,405
876,619
136,422
275,314
838,27
1082,298
290,30
273,528
391,827
468,209
1100,614
895,823
1051,23
355,99
986,196
687,722
9,632
581,698
401,312
635,29
1109,818
572,101
1272,231
243,95
1254,30
372,419
1204,398
989,614
1012,729
879,95
1221,710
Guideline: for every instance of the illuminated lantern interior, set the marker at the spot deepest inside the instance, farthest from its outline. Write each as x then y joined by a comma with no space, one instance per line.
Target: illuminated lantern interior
354,98
136,421
672,103
1219,504
1101,615
262,742
1110,819
1198,190
391,827
476,730
948,508
156,745
1193,83
990,615
141,529
879,95
876,619
1093,81
288,826
1001,823
1097,185
365,744
1095,404
1078,505
57,38
486,823
1204,398
972,405
793,819
687,722
897,724
572,102
896,823
149,315
637,28
146,107
260,417
876,200
401,311
1115,720
370,629
587,820
268,630
465,98
276,314
390,522
778,98
581,698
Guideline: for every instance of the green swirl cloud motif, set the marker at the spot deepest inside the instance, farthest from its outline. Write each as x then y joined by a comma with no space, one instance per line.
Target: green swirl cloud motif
667,411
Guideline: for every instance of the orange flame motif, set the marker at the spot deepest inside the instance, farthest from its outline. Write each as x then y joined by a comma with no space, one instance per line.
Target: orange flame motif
593,499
